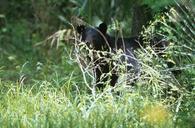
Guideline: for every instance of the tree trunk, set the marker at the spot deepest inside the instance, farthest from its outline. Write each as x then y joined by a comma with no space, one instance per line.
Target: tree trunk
141,15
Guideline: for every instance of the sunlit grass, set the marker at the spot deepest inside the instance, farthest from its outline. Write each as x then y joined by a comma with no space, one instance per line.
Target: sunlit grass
157,114
48,107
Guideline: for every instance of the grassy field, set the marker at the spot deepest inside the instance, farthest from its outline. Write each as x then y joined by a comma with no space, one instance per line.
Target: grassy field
53,94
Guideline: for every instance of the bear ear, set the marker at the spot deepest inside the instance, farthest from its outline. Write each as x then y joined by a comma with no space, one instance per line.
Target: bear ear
103,28
80,29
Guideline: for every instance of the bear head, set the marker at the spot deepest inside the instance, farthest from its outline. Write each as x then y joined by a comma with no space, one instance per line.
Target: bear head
94,37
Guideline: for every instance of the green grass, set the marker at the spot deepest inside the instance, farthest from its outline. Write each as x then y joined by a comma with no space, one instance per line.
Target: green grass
45,106
59,98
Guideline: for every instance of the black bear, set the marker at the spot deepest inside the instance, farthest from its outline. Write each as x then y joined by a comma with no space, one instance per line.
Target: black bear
99,40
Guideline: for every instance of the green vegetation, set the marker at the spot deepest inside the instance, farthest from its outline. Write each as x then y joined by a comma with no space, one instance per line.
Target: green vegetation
42,83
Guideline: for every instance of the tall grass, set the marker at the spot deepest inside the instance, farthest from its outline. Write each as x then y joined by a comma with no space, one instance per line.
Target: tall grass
23,106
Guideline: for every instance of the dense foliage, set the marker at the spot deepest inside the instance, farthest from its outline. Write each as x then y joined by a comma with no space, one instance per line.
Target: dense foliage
42,83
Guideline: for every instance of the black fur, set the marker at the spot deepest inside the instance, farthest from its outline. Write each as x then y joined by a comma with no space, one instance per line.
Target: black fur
101,41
